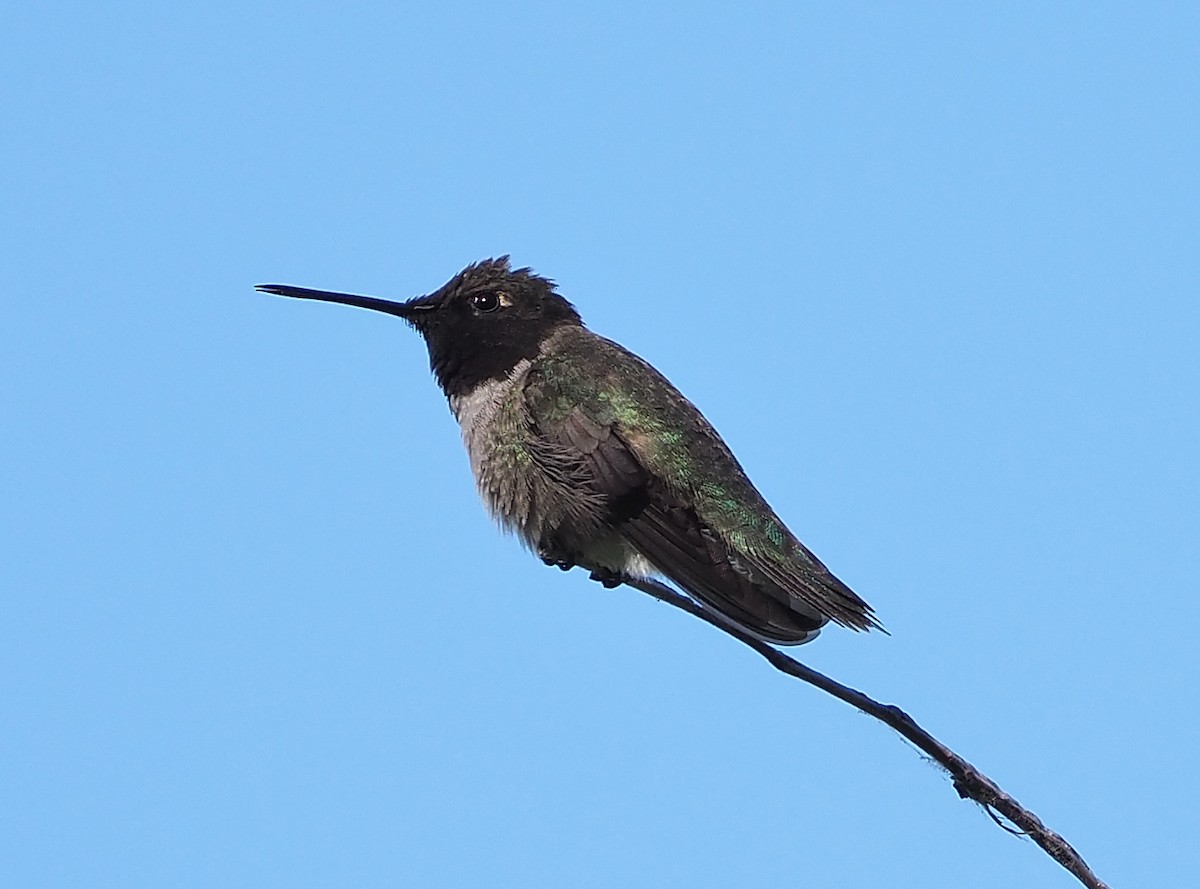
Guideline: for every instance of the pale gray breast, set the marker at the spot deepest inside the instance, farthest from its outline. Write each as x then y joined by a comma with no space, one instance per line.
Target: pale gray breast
491,415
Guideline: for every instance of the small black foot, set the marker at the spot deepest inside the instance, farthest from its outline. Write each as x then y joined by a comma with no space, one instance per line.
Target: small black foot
563,563
610,579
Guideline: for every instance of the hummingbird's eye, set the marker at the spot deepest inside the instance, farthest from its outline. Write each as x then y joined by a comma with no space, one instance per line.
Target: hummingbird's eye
485,302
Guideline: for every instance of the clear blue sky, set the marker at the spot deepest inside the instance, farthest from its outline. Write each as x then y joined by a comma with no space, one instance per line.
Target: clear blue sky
933,270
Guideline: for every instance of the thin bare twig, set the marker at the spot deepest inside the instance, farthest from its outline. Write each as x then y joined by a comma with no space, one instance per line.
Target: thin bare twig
970,783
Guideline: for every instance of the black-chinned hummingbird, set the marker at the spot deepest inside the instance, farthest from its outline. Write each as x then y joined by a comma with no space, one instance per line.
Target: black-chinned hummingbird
594,459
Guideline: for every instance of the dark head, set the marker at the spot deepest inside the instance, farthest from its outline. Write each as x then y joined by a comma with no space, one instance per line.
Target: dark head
478,325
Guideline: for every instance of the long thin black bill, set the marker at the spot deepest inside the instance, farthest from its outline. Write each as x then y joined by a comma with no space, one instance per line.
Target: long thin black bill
401,310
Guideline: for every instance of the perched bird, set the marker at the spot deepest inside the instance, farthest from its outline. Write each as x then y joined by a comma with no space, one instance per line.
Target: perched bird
594,459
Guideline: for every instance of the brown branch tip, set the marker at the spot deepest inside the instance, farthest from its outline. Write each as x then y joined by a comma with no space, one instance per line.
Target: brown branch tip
968,781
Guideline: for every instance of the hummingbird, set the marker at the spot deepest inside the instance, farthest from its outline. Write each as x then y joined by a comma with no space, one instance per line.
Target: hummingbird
594,459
